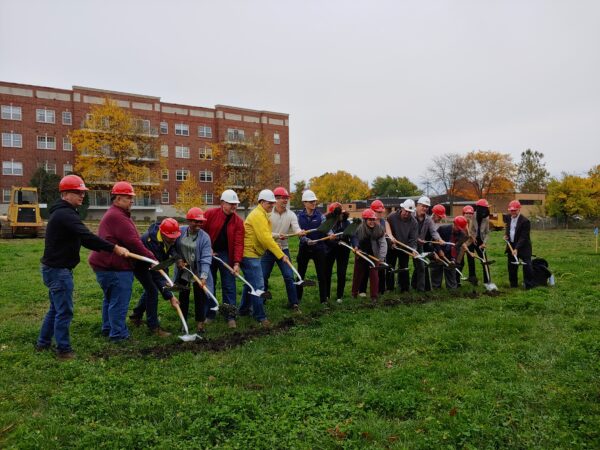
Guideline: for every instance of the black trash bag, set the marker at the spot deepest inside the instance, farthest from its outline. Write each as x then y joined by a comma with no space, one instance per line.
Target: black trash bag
541,273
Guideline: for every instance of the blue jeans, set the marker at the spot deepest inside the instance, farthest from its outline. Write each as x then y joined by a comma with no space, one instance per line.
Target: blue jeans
253,274
148,302
267,262
228,287
116,286
58,318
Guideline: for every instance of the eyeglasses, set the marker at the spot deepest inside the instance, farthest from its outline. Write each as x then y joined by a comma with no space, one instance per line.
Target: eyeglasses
79,193
371,220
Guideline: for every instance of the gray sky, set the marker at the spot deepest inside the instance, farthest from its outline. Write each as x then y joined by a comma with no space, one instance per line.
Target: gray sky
373,88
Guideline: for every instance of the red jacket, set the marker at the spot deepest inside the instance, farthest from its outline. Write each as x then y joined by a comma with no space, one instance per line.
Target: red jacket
117,227
215,218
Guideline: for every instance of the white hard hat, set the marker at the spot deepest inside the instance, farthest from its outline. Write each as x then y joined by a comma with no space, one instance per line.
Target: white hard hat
424,201
408,205
308,196
266,195
230,196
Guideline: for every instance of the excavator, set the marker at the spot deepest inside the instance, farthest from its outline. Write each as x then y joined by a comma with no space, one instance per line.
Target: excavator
23,218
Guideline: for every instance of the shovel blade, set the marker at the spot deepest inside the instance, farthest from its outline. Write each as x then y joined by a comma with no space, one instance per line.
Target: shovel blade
490,287
189,337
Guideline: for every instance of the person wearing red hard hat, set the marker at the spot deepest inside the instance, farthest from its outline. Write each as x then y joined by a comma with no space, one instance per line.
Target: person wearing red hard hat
115,273
404,228
455,234
226,231
370,239
426,231
65,234
479,230
379,208
160,240
517,232
193,245
283,222
337,254
469,212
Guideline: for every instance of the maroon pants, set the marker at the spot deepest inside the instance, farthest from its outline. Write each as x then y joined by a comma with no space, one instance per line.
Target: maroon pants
362,270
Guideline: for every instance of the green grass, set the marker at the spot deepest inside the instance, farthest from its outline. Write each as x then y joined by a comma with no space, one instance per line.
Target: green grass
521,369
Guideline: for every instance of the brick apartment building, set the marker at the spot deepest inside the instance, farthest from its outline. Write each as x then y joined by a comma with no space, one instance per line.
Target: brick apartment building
36,120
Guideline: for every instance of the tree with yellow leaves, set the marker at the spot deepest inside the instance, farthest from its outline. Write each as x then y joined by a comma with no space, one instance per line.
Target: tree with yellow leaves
340,186
189,194
114,145
245,165
489,172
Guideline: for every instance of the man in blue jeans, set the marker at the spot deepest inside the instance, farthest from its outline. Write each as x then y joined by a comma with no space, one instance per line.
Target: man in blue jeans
114,273
65,234
283,222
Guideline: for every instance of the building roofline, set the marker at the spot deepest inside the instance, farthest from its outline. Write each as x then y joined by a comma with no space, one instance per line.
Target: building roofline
251,110
106,91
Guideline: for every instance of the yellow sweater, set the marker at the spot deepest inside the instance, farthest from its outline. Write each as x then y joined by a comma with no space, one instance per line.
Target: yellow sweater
257,236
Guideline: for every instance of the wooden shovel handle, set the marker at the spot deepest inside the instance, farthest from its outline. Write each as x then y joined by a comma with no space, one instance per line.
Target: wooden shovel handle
142,258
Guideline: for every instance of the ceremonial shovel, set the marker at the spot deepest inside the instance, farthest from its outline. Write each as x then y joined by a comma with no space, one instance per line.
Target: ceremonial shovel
256,292
486,266
516,261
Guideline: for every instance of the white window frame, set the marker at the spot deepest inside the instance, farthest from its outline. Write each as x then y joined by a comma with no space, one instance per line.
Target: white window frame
48,167
205,176
276,138
12,168
182,152
164,150
45,115
276,158
46,140
162,197
236,135
208,198
67,169
182,174
204,131
9,112
164,174
67,144
6,195
182,129
68,116
164,128
12,140
205,154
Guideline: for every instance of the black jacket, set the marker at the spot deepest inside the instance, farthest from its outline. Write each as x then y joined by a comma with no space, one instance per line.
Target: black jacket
65,234
161,252
522,242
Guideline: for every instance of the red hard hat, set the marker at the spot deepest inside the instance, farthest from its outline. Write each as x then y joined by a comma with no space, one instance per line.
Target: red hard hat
281,191
483,202
461,222
514,205
71,183
195,214
439,210
122,188
369,214
468,210
377,206
169,228
333,205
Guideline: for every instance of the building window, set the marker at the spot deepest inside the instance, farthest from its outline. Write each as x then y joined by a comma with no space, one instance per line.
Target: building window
164,198
206,153
67,146
67,119
182,129
48,167
182,174
164,150
67,169
182,152
46,142
12,168
235,135
164,128
12,140
206,176
277,158
45,116
143,126
164,175
10,112
204,131
5,195
208,198
276,138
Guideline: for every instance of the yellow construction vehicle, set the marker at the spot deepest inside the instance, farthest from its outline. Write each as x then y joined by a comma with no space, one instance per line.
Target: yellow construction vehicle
23,218
497,221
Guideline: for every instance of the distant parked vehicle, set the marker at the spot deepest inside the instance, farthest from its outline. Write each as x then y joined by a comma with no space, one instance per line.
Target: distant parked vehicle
23,218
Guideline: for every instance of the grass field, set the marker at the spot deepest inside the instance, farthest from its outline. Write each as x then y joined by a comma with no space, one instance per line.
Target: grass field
468,370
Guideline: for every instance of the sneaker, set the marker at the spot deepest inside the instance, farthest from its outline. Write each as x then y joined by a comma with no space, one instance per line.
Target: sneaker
362,294
41,348
65,356
265,323
339,300
135,320
231,323
158,331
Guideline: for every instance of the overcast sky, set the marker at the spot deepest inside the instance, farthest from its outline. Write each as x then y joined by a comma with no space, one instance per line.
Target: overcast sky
373,88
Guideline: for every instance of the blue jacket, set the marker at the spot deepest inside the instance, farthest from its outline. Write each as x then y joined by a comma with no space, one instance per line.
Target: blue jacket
307,222
203,255
151,241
